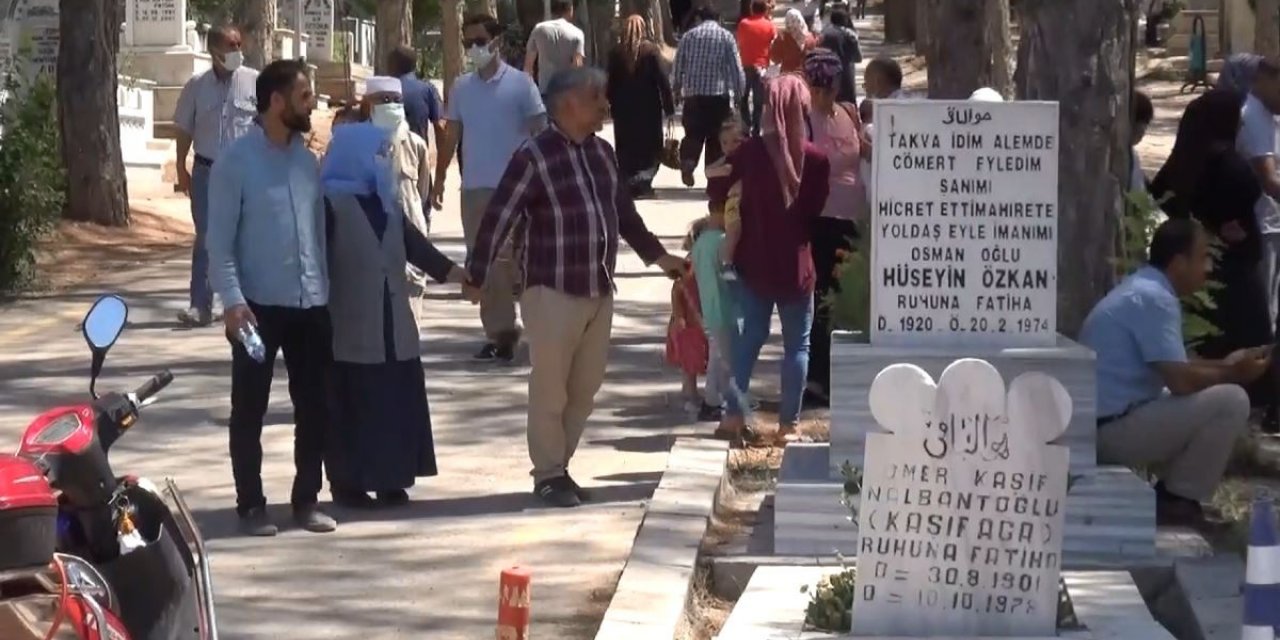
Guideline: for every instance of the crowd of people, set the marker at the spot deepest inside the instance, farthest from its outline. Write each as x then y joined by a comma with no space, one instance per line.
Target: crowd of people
319,256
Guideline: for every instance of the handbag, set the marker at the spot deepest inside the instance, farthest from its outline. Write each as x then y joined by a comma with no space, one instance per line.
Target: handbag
671,148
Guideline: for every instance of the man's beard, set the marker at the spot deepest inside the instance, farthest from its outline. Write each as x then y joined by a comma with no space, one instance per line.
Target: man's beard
298,122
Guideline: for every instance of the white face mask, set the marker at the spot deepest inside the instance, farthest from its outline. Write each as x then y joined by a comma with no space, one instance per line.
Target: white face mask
232,60
388,117
479,56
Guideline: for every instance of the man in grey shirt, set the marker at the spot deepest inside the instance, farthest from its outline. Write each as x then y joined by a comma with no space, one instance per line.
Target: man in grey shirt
267,261
555,44
214,109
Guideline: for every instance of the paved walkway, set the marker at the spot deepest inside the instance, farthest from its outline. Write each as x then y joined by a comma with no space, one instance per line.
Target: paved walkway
427,571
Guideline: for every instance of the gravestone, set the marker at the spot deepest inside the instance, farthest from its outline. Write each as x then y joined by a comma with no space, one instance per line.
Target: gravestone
32,37
156,23
961,511
965,246
317,23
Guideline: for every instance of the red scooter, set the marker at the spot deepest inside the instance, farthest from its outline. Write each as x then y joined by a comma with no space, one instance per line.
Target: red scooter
131,562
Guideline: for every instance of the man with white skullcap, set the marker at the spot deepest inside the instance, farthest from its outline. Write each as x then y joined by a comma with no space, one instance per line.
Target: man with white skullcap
383,105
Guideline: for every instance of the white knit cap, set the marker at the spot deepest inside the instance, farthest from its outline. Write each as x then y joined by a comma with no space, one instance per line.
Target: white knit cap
382,84
986,94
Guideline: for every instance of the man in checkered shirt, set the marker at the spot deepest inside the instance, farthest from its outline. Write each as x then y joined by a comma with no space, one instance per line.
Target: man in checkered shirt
707,70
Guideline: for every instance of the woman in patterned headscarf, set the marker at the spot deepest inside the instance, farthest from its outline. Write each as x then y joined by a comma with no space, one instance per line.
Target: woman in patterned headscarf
836,130
792,43
784,189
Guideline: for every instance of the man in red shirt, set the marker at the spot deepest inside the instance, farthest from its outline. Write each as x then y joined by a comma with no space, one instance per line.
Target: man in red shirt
755,34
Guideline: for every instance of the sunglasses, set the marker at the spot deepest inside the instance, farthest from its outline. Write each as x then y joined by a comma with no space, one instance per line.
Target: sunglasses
476,42
388,99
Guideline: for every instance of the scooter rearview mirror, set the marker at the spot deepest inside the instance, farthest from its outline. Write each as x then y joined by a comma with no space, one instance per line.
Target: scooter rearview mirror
102,326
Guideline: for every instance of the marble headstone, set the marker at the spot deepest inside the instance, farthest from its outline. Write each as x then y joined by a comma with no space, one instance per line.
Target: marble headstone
965,229
31,35
156,23
317,23
960,520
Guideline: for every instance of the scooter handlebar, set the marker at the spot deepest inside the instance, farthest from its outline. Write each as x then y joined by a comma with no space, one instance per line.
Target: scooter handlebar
153,386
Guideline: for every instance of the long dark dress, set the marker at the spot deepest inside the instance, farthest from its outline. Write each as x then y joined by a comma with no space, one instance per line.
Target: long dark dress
381,412
1229,191
640,99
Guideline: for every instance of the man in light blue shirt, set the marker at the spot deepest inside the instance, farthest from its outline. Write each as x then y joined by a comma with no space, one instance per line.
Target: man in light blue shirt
267,263
1156,406
215,108
491,111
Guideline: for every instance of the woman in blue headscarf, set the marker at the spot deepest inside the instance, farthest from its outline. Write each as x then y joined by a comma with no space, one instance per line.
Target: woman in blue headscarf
381,415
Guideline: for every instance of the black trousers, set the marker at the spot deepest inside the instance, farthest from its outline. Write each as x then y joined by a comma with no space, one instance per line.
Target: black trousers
305,337
752,101
701,118
829,236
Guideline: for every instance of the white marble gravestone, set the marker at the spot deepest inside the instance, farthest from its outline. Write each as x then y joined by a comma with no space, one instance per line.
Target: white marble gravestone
156,23
317,22
965,232
961,514
32,37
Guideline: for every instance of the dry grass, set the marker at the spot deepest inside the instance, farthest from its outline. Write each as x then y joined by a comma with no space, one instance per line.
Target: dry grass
705,612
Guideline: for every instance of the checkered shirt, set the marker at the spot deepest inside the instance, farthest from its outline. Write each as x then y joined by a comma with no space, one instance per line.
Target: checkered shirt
708,63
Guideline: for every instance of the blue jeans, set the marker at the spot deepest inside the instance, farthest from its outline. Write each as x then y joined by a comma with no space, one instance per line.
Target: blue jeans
201,292
797,320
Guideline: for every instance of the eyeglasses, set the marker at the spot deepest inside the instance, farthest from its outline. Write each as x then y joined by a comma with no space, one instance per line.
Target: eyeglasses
476,42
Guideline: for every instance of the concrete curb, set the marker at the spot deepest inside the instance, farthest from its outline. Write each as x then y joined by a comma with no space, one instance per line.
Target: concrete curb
649,602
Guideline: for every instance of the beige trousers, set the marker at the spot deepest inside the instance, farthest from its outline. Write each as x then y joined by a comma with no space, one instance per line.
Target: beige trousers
498,302
1186,439
568,341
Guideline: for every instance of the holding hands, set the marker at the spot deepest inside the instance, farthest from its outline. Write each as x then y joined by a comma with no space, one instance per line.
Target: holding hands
458,275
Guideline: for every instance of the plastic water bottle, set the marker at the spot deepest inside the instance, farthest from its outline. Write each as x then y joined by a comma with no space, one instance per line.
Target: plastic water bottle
252,342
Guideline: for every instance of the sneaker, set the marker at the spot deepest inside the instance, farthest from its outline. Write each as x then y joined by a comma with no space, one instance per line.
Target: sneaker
256,523
194,317
583,494
505,354
487,353
709,413
396,498
557,492
312,519
1175,510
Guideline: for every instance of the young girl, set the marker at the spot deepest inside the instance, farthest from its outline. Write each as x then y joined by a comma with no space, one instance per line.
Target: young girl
719,315
687,346
732,132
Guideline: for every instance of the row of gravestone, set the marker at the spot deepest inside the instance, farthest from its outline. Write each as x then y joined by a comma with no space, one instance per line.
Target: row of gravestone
31,26
963,509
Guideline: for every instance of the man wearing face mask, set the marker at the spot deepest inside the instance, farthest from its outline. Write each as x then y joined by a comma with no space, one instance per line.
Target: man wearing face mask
491,111
384,106
267,254
214,109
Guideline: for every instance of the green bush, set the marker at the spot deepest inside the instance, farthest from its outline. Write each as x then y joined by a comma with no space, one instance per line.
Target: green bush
32,177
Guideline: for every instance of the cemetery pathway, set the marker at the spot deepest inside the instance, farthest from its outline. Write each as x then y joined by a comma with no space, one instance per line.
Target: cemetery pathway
429,570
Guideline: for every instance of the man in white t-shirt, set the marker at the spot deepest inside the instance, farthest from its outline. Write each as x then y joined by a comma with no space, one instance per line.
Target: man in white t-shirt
555,45
1257,143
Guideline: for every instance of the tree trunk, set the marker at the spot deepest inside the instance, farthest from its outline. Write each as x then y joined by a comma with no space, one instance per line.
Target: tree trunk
1266,34
394,28
1000,41
1081,54
451,36
486,7
924,28
259,32
88,115
900,20
602,14
959,55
